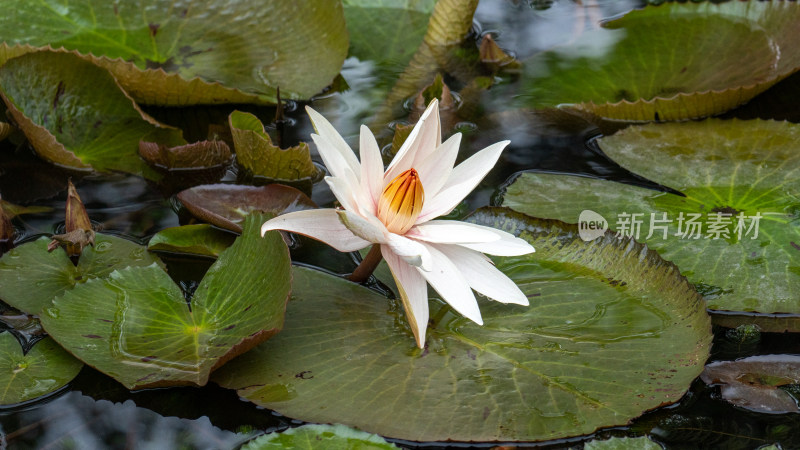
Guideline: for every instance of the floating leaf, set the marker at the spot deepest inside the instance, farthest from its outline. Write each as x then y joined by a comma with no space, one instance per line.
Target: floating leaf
226,205
615,443
30,276
754,382
670,62
256,152
330,437
206,51
75,114
612,331
197,155
728,170
136,326
45,368
201,239
13,210
450,22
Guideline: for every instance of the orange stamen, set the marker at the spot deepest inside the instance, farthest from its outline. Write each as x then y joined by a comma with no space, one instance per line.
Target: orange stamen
401,202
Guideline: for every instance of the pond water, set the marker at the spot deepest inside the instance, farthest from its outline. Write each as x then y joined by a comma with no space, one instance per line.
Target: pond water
96,412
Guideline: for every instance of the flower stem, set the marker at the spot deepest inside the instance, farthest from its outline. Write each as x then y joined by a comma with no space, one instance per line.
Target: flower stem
367,266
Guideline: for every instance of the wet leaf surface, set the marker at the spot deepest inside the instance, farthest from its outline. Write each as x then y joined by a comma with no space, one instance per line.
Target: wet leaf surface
197,155
725,169
612,331
754,382
638,443
670,62
30,276
136,326
75,114
208,51
200,240
226,205
44,369
330,437
256,152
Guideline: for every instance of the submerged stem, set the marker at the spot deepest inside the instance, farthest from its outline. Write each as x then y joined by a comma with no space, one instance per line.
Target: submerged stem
367,266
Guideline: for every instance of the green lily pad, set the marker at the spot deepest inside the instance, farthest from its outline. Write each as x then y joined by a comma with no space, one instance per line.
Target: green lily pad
256,152
75,114
330,437
615,443
201,239
670,62
387,32
728,170
754,382
206,51
45,368
227,205
30,276
612,331
136,325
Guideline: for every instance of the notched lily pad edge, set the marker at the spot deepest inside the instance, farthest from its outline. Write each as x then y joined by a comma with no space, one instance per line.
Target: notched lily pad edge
115,65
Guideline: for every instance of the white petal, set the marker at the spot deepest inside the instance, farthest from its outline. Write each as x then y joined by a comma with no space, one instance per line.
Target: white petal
421,142
336,151
371,168
507,245
411,251
343,193
462,181
483,276
368,228
452,286
320,224
413,293
453,232
435,170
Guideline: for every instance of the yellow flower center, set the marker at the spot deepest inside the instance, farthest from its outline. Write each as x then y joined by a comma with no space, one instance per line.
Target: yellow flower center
401,202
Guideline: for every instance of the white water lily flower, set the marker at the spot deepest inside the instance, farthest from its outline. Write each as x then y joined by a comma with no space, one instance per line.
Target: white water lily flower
396,209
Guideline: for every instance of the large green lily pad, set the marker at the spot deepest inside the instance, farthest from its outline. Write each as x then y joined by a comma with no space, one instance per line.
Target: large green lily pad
45,368
612,331
204,51
310,437
670,62
732,168
75,114
30,276
136,325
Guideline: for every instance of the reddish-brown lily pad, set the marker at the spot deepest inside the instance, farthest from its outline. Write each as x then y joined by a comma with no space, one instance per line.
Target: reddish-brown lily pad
754,383
226,205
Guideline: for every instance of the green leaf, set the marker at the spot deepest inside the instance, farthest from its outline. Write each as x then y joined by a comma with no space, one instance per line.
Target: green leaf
136,326
256,152
726,167
670,62
200,239
612,331
206,51
30,276
387,32
75,114
11,210
638,443
753,382
45,368
330,437
227,205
